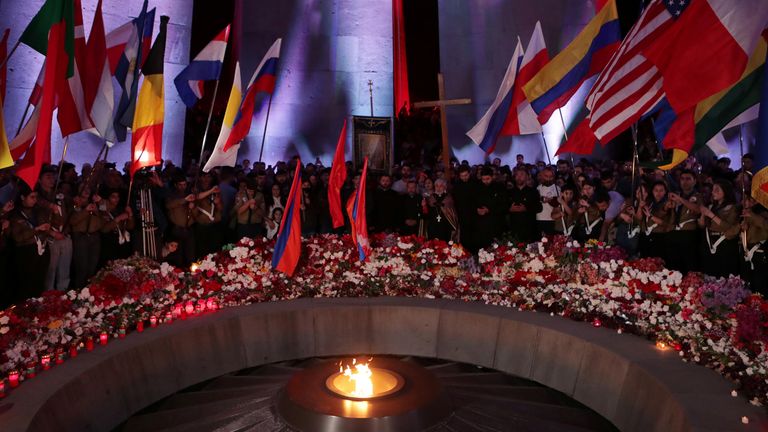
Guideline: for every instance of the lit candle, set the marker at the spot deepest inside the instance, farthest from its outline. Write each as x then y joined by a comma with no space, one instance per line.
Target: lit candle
200,306
177,310
2,388
13,378
190,308
121,332
89,343
73,351
661,345
153,321
168,318
211,304
140,326
45,362
597,323
60,355
103,338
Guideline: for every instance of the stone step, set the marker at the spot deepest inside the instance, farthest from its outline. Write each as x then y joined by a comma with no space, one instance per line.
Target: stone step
571,417
189,399
501,393
216,410
271,370
234,381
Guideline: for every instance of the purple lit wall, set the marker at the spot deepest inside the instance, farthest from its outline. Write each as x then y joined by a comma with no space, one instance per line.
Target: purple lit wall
477,39
331,48
25,64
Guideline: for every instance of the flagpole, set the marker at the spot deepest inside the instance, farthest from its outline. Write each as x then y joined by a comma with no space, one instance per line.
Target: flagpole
13,50
743,187
266,121
93,167
208,125
635,160
565,133
61,163
23,118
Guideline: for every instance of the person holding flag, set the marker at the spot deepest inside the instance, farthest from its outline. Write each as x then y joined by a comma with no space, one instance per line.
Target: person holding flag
288,245
356,211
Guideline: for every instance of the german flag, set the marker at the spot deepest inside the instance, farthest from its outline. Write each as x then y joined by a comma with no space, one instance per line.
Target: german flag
147,139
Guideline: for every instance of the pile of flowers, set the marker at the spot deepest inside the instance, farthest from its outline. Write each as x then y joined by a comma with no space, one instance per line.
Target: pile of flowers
717,323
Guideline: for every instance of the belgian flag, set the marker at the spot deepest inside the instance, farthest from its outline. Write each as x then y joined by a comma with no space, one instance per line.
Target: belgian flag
147,139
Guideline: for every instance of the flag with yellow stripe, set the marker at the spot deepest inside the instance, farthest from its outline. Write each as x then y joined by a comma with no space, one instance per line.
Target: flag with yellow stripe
147,138
5,153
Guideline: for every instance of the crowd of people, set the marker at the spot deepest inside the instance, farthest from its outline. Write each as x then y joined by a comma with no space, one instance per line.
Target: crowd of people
57,235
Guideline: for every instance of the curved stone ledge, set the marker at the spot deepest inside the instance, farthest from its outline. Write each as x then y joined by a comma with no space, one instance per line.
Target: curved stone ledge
622,377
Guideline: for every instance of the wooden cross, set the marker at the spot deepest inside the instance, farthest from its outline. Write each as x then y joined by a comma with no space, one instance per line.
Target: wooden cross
442,102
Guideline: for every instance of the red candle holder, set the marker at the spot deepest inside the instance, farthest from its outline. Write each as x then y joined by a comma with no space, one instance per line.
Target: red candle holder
597,323
45,362
153,321
189,308
177,309
103,338
140,326
200,307
89,343
13,378
183,314
121,332
168,318
211,304
2,388
60,357
73,351
31,370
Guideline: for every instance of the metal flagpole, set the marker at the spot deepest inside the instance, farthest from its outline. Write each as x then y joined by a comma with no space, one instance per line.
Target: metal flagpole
61,163
208,125
743,186
370,91
23,118
266,122
13,50
635,160
565,133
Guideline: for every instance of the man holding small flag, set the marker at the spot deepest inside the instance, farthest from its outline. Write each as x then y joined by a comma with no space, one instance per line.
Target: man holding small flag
288,245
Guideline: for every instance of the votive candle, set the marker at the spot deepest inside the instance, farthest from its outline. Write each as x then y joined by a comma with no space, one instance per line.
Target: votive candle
13,378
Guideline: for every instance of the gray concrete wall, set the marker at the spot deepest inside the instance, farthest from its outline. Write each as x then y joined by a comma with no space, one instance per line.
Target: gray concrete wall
623,377
25,64
331,48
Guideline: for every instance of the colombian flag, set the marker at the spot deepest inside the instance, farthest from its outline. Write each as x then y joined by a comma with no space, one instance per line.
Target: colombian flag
288,244
147,140
356,212
583,58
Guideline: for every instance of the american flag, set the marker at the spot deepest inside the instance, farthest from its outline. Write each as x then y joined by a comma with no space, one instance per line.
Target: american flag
630,86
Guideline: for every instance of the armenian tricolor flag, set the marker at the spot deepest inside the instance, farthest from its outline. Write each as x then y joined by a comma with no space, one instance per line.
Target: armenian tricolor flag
356,212
147,139
288,244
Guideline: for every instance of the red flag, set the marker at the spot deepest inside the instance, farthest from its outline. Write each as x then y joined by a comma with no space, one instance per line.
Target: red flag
56,66
4,69
582,140
356,212
72,113
288,243
707,49
336,181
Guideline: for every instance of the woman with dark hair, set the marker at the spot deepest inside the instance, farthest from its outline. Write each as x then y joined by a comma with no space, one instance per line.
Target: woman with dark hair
655,222
30,235
720,220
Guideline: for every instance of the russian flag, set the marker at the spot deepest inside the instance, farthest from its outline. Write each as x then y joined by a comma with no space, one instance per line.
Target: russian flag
521,119
263,81
288,244
487,130
356,212
586,56
206,66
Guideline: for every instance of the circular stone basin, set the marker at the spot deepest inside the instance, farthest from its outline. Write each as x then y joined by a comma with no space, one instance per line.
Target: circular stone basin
406,396
384,382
